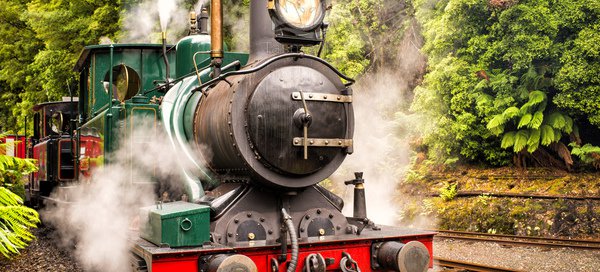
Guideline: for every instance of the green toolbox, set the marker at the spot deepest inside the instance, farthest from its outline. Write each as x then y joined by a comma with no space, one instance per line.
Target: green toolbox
176,224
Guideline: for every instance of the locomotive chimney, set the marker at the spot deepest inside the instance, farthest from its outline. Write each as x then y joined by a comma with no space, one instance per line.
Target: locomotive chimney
262,37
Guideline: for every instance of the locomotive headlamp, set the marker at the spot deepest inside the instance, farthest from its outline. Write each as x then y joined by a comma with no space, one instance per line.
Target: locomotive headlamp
297,21
300,14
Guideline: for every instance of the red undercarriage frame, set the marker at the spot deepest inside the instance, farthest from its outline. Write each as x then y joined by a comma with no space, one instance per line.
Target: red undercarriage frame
358,247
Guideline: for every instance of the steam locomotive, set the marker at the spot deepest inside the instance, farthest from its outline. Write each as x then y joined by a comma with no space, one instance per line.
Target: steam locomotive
268,127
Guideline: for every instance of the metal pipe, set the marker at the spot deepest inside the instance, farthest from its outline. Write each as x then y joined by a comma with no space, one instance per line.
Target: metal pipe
110,76
216,29
287,219
167,68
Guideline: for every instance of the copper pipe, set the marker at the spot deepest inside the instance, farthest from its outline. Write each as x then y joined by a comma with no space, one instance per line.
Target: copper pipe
216,29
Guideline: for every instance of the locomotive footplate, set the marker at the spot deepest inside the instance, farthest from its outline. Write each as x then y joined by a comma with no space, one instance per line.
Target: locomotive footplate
333,249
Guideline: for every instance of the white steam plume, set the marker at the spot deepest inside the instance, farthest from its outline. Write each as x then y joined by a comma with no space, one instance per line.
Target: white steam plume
165,10
106,208
383,132
143,22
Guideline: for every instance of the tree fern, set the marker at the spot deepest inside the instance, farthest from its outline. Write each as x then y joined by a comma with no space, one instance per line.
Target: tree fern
508,139
557,120
546,134
525,108
534,140
536,97
525,120
496,125
510,113
536,120
568,124
588,153
521,139
15,219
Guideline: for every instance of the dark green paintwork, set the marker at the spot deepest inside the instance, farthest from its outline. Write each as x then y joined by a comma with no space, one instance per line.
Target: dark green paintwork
187,48
166,224
94,64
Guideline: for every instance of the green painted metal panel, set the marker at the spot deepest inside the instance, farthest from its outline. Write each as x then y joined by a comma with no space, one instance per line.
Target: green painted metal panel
140,131
187,47
146,62
176,224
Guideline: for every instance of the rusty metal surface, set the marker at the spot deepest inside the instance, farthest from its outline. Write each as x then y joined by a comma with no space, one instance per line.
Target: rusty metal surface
468,266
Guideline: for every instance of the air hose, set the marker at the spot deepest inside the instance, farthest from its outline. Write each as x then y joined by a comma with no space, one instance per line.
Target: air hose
287,219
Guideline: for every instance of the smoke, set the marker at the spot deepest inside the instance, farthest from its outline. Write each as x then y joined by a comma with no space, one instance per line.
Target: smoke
105,215
384,129
143,22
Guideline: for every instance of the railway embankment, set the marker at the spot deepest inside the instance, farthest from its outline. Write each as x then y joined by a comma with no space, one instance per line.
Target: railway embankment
533,202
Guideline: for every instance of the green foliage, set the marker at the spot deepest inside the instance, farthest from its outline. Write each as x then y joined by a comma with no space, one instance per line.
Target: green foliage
15,222
588,153
40,41
15,219
519,70
448,192
531,126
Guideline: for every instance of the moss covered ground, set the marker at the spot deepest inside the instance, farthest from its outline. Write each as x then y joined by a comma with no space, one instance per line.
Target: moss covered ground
431,199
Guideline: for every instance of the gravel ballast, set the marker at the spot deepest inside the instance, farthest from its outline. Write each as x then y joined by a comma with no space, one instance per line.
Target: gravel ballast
518,257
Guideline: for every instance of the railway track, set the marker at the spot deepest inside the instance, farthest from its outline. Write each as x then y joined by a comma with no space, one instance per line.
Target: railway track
519,240
468,266
517,195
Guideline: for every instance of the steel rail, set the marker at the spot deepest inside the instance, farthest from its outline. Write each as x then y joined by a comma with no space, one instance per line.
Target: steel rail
470,266
519,240
517,195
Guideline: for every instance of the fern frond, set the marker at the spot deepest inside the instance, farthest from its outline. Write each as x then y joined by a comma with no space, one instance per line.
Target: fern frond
542,106
568,125
525,120
536,97
8,198
546,134
557,120
508,139
15,222
496,123
534,140
536,120
557,135
524,109
510,113
521,140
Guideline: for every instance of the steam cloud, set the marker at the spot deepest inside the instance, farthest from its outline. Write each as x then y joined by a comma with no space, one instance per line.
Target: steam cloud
107,205
144,22
383,131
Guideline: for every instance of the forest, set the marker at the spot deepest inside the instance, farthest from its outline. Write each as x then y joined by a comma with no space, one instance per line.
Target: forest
501,82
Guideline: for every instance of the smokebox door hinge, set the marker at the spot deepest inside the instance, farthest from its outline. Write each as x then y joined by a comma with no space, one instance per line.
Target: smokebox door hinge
325,97
299,141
